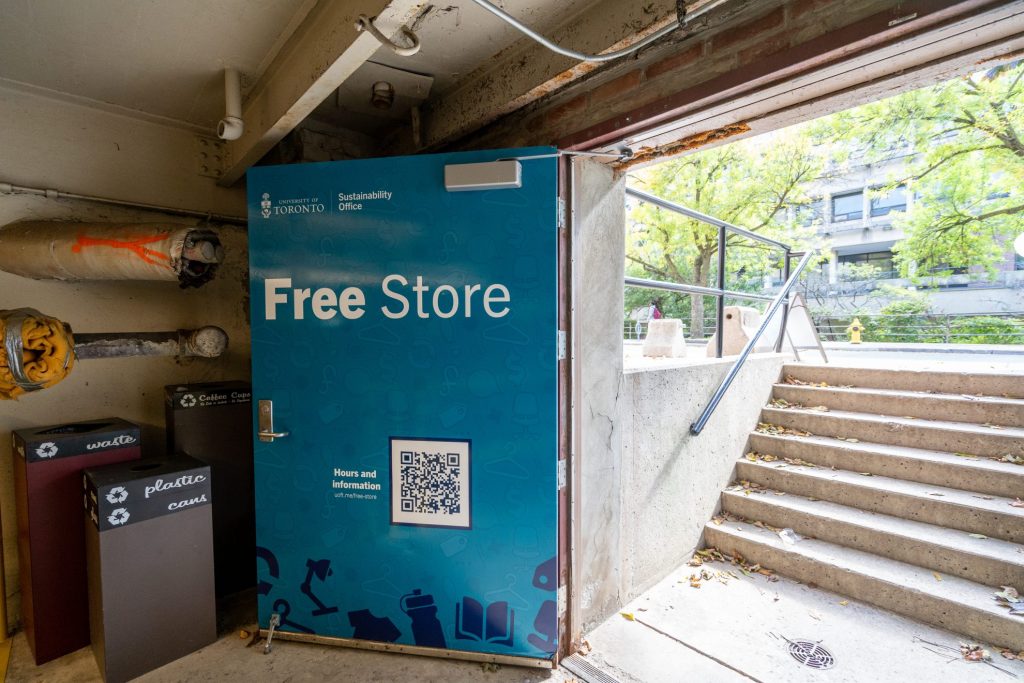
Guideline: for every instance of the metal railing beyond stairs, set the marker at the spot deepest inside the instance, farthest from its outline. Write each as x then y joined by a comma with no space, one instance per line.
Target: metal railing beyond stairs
780,300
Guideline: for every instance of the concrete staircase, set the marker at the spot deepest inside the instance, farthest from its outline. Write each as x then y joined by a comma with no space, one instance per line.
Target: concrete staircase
895,483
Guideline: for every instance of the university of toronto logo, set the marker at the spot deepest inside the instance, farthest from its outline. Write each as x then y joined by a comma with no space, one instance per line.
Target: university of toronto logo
265,205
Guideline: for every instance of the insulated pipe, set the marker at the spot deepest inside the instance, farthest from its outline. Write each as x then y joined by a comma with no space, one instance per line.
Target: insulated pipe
231,126
205,342
56,250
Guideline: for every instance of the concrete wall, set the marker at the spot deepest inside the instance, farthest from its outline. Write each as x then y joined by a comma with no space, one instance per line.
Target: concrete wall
51,144
671,480
599,246
646,485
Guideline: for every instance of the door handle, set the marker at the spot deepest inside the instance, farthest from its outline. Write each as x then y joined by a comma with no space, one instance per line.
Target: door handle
266,422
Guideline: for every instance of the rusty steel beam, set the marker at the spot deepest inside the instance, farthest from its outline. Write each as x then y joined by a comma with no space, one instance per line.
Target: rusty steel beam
901,21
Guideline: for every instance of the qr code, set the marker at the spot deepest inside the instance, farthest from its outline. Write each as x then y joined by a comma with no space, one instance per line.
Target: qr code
430,482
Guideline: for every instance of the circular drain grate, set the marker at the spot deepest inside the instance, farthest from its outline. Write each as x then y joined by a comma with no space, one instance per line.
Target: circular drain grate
811,654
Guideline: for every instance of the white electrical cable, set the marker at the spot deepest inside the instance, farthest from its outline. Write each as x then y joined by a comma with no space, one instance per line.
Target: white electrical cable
364,23
554,47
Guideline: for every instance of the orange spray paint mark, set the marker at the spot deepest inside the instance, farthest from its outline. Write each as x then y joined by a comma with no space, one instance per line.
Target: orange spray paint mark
132,244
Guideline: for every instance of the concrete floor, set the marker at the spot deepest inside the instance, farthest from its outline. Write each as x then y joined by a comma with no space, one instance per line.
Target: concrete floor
718,633
230,660
735,631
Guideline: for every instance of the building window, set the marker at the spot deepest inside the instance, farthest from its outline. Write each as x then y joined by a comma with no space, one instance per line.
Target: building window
848,207
882,260
811,213
894,201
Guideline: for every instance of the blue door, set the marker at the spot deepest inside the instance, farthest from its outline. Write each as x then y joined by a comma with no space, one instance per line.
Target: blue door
404,355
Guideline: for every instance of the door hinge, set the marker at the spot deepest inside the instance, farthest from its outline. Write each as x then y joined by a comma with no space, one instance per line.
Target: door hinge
561,214
561,345
561,474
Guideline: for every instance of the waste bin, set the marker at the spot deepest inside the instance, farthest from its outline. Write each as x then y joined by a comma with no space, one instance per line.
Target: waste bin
213,422
149,550
51,551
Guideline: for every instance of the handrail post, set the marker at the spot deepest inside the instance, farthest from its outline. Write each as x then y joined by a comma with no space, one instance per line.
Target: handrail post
785,306
697,426
720,300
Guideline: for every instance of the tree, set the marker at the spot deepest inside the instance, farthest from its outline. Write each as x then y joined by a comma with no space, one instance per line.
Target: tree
750,183
966,172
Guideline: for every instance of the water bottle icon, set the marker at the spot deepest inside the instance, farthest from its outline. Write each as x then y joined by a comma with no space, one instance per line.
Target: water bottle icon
426,628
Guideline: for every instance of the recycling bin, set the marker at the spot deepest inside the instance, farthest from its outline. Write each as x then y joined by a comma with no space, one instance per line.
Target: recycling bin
51,550
149,552
213,422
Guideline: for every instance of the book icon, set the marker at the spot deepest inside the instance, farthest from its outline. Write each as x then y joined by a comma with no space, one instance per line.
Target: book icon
495,625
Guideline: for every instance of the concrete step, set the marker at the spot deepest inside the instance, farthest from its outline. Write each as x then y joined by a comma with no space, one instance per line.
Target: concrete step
951,407
992,516
956,437
988,561
988,384
980,475
953,603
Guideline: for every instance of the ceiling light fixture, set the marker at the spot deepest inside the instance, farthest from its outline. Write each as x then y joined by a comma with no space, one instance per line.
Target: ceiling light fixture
382,95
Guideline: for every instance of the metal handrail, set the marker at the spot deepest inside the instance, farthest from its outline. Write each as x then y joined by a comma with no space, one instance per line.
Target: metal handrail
694,289
780,299
704,218
719,292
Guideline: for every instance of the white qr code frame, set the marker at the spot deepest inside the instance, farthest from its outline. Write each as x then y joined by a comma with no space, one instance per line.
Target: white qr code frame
406,451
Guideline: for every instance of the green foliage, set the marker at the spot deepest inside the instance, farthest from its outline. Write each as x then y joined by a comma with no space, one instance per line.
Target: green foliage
748,183
987,330
967,172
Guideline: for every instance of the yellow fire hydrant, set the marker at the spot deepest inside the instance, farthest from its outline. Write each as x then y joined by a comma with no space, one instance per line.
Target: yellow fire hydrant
855,329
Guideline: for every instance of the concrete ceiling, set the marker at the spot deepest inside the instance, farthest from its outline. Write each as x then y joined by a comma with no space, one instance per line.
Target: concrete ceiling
165,59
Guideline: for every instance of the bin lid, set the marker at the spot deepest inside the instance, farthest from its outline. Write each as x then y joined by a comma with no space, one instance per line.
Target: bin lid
130,492
43,444
187,396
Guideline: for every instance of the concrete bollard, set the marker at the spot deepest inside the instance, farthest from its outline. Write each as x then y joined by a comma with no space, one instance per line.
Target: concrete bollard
740,324
665,339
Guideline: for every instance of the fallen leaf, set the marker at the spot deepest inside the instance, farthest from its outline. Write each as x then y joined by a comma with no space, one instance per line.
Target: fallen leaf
866,474
844,603
933,493
967,455
628,616
1009,593
1012,459
973,653
978,536
937,576
1017,503
243,634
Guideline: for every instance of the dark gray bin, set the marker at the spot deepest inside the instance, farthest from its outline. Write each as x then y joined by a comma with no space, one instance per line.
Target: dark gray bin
149,555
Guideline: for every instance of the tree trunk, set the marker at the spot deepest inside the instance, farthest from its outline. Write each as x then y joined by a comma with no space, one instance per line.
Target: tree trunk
700,269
